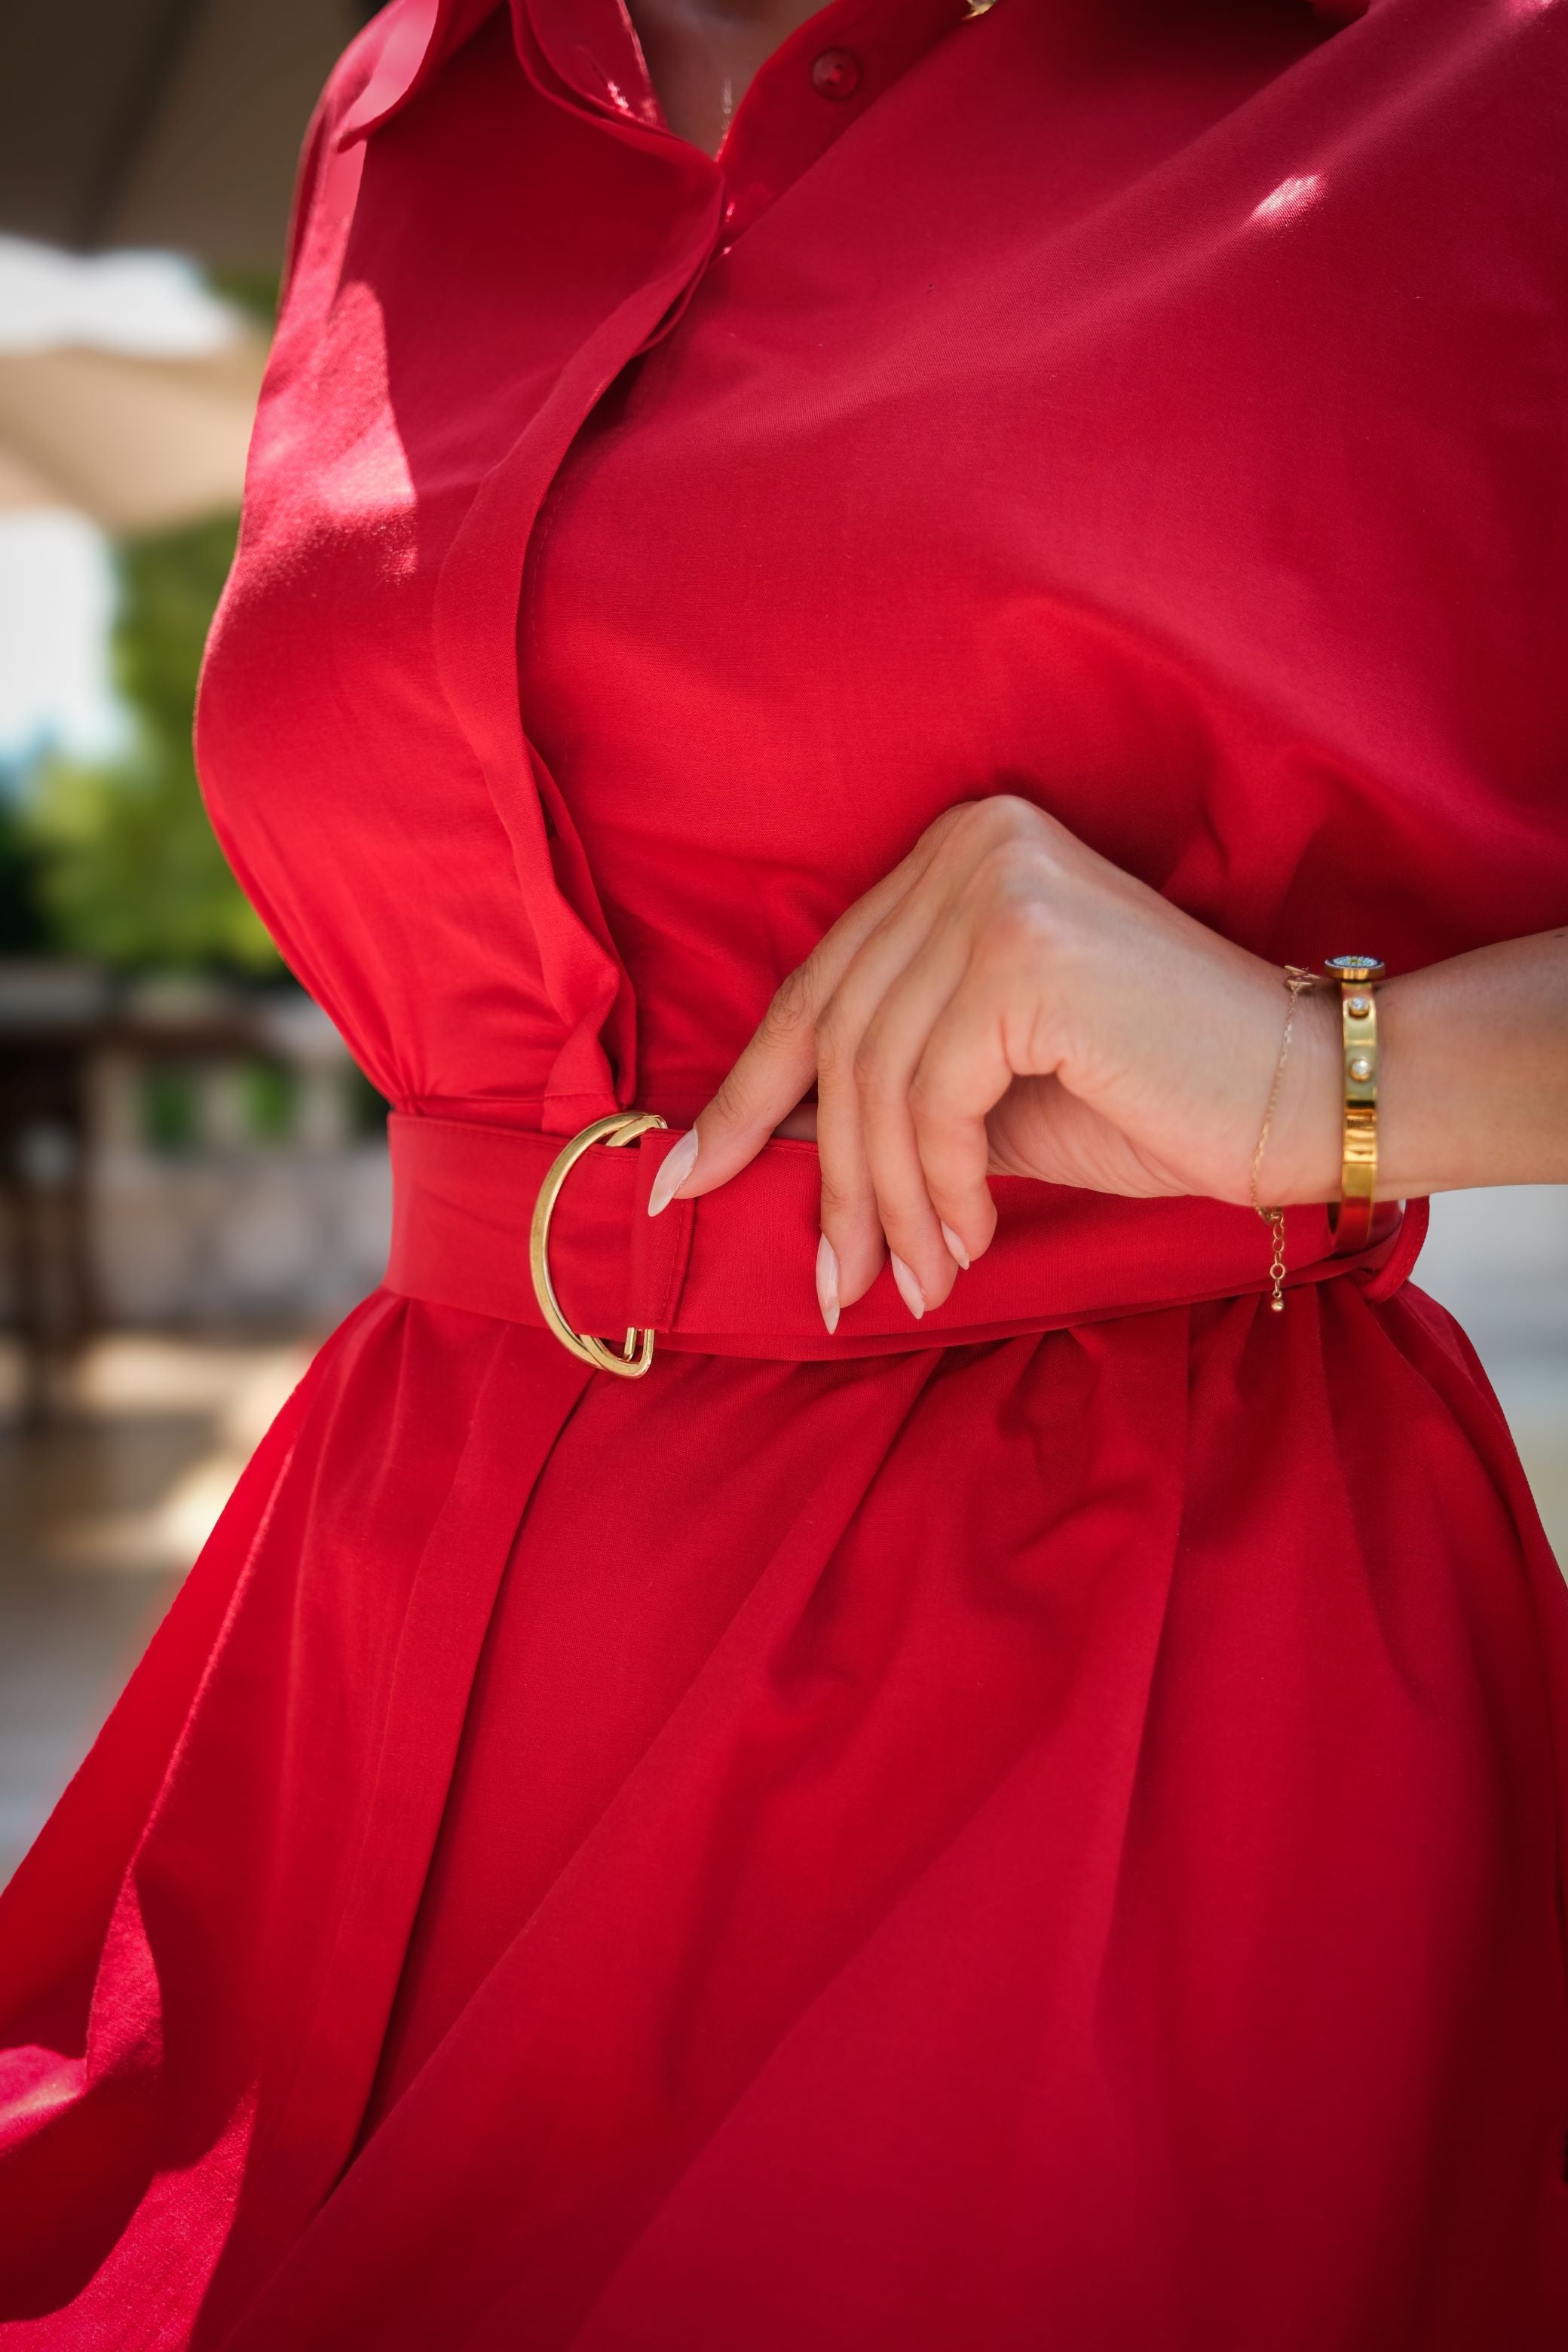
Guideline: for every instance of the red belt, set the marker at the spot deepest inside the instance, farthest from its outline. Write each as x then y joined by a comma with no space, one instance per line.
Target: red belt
732,1273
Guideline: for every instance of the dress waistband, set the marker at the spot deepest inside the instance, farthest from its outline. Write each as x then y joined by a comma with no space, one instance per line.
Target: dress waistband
732,1273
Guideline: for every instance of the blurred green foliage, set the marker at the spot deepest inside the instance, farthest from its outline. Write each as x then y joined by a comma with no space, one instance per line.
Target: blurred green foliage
170,1111
117,856
255,291
272,1099
24,928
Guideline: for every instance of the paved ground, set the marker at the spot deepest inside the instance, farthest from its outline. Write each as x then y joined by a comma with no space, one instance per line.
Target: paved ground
100,1514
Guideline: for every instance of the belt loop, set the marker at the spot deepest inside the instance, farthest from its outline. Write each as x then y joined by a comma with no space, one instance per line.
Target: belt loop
658,1248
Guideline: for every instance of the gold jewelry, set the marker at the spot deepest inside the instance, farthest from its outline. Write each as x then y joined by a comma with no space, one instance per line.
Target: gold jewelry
1352,1218
620,1128
1297,982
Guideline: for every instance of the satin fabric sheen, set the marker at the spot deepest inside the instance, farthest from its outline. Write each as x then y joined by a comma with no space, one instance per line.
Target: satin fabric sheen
1051,1842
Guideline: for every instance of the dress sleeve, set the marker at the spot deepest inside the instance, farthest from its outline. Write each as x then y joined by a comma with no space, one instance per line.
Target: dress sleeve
317,133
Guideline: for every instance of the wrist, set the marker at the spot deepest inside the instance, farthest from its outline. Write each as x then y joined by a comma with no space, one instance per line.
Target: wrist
1302,1160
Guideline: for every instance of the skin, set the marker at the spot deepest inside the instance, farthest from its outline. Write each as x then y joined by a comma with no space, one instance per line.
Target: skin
702,56
1006,1000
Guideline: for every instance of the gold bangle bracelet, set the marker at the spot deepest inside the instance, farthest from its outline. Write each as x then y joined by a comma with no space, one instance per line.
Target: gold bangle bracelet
1357,977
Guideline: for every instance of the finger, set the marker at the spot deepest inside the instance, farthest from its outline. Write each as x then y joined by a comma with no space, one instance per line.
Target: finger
847,1213
963,1073
925,1264
873,1031
850,1216
893,988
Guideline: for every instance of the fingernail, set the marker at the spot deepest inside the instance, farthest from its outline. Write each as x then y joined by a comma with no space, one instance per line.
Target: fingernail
909,1291
673,1174
827,1283
955,1245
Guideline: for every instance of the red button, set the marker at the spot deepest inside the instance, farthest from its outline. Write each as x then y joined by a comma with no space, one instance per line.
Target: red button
835,74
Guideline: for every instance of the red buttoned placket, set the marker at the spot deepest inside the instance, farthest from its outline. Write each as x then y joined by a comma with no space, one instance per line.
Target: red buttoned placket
586,58
583,57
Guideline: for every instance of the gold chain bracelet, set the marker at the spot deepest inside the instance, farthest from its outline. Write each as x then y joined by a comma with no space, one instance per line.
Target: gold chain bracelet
1297,982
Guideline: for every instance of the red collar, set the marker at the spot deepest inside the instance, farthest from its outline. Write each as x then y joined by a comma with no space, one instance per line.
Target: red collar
402,48
406,43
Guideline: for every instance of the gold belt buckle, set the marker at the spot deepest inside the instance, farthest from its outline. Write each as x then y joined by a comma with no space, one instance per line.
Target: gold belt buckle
621,1126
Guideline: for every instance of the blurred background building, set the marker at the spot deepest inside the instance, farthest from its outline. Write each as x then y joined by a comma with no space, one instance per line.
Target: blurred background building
193,1175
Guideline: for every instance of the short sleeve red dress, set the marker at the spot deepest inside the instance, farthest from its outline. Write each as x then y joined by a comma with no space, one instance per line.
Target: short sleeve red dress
1037,1829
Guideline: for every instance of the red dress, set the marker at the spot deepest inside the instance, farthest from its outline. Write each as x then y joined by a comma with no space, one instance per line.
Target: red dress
1048,1836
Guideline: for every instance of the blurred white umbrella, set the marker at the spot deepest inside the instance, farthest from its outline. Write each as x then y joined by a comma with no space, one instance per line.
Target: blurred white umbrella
141,123
126,389
137,444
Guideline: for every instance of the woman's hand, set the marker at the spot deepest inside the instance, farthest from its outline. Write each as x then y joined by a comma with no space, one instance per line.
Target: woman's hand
1008,999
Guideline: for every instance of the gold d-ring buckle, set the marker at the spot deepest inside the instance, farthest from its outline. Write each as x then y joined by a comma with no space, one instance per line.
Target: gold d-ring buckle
621,1126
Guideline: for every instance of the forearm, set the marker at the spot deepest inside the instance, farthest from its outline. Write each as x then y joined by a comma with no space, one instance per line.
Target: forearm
1006,1000
1473,1082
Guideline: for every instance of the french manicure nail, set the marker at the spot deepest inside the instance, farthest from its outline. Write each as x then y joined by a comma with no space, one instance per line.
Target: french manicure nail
673,1174
910,1290
827,1283
955,1245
